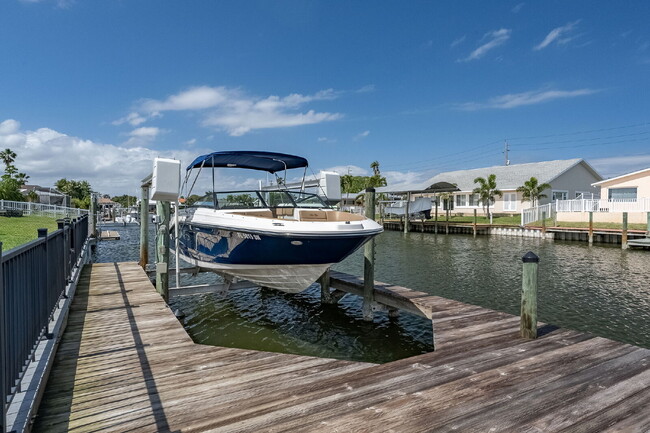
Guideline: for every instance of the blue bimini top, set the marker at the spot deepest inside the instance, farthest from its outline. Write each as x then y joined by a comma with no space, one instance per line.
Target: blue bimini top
265,161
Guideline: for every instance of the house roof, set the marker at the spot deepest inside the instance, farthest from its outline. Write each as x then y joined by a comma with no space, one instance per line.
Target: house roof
511,177
622,176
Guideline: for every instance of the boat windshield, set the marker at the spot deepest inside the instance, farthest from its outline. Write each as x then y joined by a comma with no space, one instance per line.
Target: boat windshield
259,200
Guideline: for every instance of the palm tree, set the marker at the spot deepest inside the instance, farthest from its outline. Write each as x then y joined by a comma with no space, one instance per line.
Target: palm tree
532,191
7,156
487,190
375,168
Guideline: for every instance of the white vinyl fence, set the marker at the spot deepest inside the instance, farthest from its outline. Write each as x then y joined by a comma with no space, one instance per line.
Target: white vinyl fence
533,214
603,205
42,209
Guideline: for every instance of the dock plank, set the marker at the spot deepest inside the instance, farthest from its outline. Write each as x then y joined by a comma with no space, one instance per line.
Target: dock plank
125,363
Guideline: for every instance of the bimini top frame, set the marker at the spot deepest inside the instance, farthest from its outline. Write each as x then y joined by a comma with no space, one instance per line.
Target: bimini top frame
254,160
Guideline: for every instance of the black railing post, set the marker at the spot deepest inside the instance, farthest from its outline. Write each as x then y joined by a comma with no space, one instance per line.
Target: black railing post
3,352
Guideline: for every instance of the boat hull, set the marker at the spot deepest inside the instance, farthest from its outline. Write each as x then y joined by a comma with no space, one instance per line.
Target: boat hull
287,262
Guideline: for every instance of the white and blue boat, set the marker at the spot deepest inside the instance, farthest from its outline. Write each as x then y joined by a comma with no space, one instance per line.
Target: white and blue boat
274,238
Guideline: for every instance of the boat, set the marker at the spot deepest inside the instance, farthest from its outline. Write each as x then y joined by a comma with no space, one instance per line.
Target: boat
273,237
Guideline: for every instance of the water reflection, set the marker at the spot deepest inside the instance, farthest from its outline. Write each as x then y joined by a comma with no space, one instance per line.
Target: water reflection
601,289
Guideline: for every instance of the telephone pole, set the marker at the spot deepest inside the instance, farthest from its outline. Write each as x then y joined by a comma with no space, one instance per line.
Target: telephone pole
507,148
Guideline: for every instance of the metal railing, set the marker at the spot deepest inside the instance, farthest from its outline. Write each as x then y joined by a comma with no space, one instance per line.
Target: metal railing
49,210
533,214
33,278
604,205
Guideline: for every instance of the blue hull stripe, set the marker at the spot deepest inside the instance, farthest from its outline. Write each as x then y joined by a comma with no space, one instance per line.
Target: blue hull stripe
246,248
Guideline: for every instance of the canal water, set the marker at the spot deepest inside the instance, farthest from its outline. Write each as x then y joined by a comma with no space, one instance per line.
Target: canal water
601,289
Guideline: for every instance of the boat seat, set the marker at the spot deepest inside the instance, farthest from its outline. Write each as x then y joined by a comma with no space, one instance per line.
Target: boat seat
313,215
283,212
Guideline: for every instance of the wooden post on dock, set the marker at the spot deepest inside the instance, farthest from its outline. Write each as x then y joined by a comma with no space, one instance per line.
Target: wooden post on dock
324,281
369,261
591,228
528,322
406,212
92,221
647,232
448,210
162,250
435,224
144,226
474,222
543,222
624,232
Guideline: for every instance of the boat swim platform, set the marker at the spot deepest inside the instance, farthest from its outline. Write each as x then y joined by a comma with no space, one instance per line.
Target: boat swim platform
109,235
125,363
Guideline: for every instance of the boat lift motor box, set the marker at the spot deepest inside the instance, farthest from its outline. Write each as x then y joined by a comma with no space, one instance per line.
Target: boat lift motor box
330,182
166,179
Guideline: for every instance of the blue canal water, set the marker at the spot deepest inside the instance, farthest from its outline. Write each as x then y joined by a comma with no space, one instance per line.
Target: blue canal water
600,289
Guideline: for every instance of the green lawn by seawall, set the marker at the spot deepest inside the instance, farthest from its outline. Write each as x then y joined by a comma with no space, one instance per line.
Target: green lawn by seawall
20,230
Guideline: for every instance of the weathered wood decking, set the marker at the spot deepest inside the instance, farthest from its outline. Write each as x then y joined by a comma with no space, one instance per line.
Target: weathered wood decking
126,364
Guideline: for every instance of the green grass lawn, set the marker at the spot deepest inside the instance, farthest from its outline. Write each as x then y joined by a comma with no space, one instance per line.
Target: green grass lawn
20,230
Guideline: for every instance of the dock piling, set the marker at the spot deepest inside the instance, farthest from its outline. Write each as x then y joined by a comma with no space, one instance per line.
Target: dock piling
474,226
435,224
162,250
543,222
647,233
528,322
591,228
144,226
324,281
624,232
369,261
406,212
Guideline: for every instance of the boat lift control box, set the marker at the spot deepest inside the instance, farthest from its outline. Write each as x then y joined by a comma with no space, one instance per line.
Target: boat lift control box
166,179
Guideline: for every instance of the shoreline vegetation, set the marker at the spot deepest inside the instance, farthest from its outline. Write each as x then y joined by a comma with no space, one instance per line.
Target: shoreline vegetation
20,230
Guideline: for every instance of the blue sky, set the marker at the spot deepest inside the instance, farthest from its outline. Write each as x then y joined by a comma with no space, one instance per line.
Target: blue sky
94,89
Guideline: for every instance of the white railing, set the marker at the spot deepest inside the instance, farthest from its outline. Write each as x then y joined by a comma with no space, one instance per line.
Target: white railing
49,210
604,205
533,214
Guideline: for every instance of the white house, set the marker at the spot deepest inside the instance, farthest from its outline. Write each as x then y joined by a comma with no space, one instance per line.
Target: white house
568,178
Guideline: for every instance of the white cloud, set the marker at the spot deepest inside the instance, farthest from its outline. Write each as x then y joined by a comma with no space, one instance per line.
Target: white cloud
366,89
557,35
513,100
409,180
145,132
321,139
458,41
619,165
9,126
494,39
196,98
349,169
362,135
47,155
518,8
190,142
133,119
236,113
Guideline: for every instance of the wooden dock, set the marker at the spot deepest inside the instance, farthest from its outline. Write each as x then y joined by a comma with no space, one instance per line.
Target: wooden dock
109,235
126,364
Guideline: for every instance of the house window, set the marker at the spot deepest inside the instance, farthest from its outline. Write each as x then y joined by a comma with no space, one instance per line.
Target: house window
622,193
461,200
560,195
473,200
510,201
